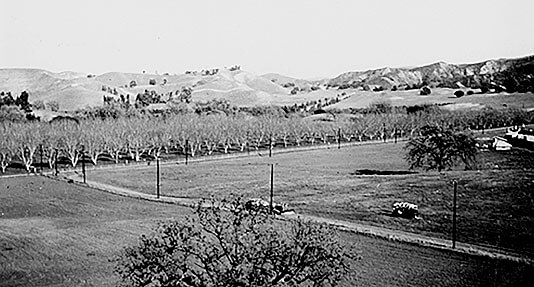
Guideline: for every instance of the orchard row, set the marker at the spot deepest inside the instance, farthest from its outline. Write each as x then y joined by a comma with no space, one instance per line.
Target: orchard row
136,139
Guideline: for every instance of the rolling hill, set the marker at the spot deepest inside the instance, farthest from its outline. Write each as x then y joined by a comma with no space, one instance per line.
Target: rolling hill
74,90
505,74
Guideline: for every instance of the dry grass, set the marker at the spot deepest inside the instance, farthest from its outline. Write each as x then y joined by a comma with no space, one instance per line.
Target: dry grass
362,99
57,234
495,204
52,233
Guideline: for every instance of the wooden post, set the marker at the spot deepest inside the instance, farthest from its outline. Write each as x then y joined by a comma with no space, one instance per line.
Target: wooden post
157,177
339,138
83,164
248,145
41,153
186,151
271,146
455,183
55,161
272,189
384,132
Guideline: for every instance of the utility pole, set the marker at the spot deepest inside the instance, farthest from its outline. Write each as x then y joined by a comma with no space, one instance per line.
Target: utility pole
272,188
455,183
41,153
339,138
384,132
271,146
55,161
248,145
157,177
186,151
83,164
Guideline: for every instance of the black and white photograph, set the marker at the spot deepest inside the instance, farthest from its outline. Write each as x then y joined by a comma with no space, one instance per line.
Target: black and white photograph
236,143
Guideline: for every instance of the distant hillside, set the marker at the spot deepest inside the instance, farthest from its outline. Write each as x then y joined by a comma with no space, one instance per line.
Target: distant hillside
68,89
505,74
74,90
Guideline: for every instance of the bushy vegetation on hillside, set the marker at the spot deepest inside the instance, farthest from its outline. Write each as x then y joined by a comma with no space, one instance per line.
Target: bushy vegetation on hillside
6,99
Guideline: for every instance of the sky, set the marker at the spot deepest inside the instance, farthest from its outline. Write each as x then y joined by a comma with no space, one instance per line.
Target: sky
298,38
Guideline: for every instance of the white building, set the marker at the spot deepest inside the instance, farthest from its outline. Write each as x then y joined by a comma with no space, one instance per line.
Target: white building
521,133
500,144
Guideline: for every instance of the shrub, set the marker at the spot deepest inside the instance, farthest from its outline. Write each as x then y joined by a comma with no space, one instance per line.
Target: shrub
53,106
39,105
224,244
382,106
378,89
424,91
459,93
470,92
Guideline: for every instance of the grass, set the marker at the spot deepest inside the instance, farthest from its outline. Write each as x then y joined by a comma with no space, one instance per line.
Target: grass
362,99
58,234
53,233
495,203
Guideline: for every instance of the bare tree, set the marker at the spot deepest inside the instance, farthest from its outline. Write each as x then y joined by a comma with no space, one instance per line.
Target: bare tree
224,244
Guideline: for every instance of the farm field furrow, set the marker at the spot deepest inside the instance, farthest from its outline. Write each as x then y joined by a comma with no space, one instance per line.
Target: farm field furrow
495,205
61,234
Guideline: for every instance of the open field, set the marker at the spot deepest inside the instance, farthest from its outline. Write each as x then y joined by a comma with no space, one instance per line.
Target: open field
495,203
362,99
57,234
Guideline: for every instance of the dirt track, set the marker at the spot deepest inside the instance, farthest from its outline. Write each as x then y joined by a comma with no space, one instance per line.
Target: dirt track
389,234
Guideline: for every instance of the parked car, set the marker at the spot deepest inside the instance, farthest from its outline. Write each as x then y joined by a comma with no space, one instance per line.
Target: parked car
405,210
260,205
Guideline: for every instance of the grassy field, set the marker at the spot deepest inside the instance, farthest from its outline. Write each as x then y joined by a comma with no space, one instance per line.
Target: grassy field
362,99
495,203
58,234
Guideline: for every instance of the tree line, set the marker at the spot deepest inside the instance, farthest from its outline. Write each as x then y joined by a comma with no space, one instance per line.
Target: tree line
146,138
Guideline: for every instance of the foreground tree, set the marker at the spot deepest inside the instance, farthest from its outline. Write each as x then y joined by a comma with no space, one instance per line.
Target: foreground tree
441,148
223,244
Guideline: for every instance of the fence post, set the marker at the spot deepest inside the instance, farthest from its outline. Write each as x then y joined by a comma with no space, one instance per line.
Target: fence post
384,132
455,184
248,145
339,138
270,146
41,153
186,151
55,161
83,164
272,189
157,177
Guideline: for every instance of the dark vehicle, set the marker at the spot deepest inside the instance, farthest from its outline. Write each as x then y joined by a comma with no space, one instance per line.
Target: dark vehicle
405,210
260,205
